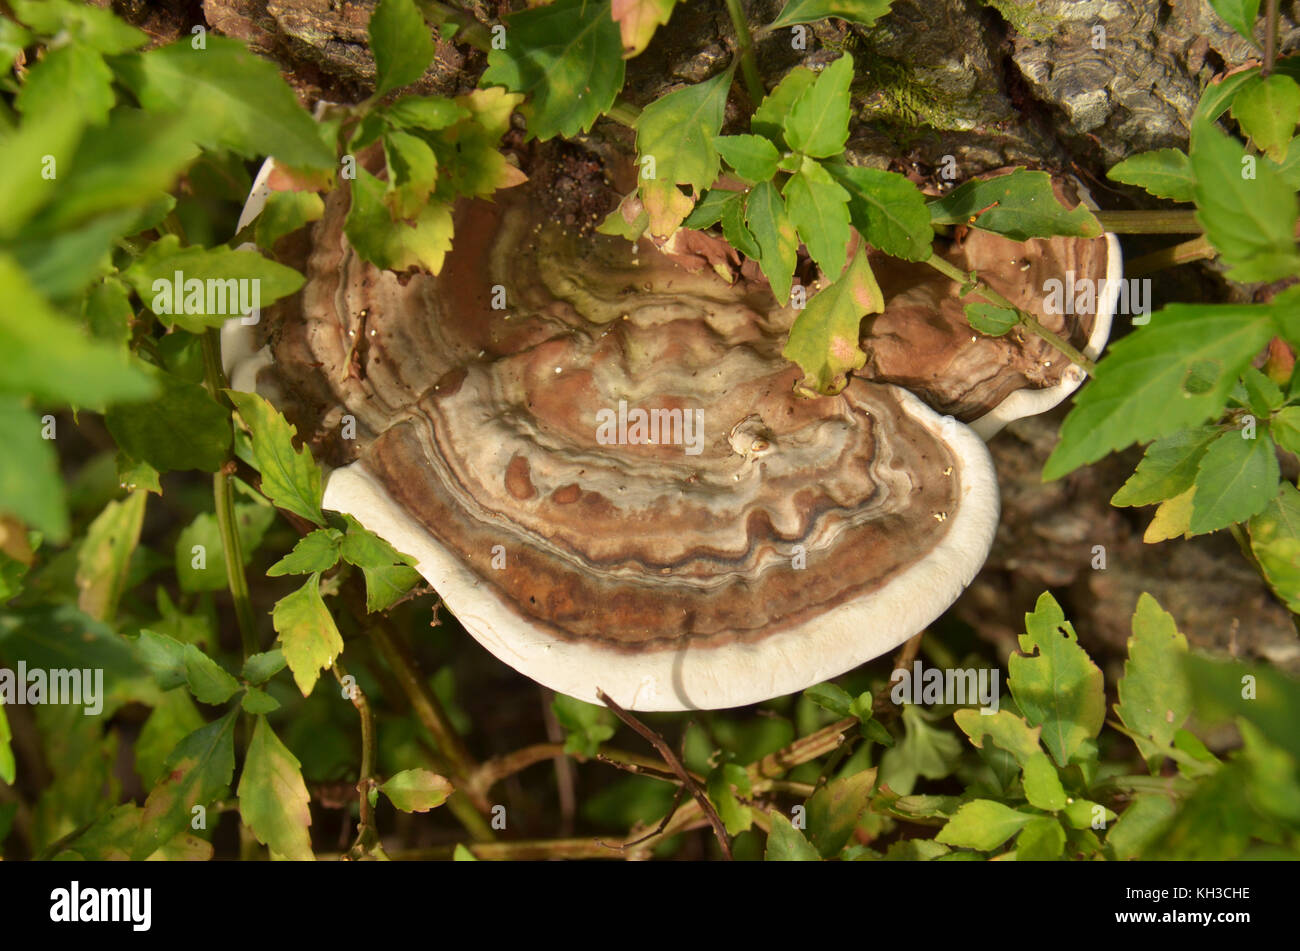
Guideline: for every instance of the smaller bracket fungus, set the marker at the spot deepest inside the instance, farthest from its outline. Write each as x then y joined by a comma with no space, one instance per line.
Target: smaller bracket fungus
923,341
597,458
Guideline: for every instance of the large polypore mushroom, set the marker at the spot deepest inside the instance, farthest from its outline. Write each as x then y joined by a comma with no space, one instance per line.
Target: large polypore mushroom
598,459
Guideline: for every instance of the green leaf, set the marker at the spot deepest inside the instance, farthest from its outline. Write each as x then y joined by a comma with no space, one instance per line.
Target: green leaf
824,338
753,157
308,637
678,130
1043,786
260,668
272,796
1042,839
174,718
1236,479
862,12
586,725
97,27
1055,683
834,810
396,246
830,697
1008,731
290,477
1168,468
69,77
982,824
1238,14
1275,542
818,122
388,573
28,150
284,213
1268,110
778,244
1250,221
246,107
7,765
412,173
708,212
401,43
207,296
316,551
48,356
888,210
424,112
1265,697
1173,373
1140,824
31,486
207,680
785,843
182,428
819,209
1263,395
104,558
417,790
991,319
1289,168
734,229
197,772
1165,173
1285,428
205,570
1024,206
726,786
1154,697
769,118
258,702
566,57
462,854
164,656
923,751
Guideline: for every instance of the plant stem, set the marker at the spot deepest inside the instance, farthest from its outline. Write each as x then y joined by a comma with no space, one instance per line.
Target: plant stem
468,28
1270,38
223,501
1173,221
1198,249
624,112
748,63
367,840
1027,320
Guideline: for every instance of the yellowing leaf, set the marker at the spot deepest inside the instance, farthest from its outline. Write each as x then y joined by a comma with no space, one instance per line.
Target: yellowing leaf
1172,519
272,796
824,338
637,21
308,637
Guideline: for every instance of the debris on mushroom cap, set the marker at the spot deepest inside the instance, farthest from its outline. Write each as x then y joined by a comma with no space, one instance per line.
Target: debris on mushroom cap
922,340
763,544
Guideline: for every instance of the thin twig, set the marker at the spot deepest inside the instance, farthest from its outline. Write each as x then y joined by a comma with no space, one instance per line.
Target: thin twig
367,840
1270,38
664,750
1185,252
748,62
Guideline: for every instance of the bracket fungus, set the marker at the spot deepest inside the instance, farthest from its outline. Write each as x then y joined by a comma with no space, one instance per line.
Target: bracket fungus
598,460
